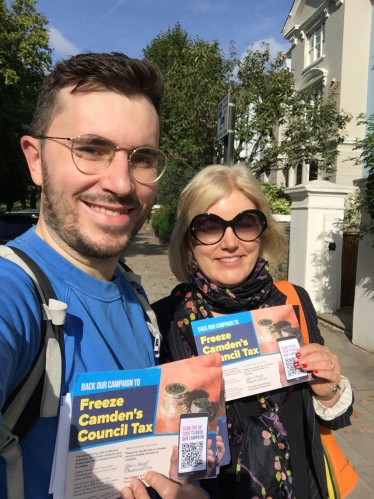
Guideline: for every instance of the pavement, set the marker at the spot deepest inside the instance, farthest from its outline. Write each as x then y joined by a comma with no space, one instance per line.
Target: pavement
147,257
342,318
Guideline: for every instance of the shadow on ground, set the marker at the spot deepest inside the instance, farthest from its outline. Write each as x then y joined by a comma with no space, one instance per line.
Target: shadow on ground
144,245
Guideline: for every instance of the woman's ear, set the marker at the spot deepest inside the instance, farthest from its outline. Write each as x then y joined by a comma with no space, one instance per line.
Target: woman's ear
32,150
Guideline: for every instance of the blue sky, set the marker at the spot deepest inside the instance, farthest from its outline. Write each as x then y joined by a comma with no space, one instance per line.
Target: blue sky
129,25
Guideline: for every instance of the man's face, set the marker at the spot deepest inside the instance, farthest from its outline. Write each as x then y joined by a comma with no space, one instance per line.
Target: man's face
97,215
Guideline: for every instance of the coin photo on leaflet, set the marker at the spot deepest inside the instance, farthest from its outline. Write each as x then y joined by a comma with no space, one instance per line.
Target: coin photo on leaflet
176,401
203,404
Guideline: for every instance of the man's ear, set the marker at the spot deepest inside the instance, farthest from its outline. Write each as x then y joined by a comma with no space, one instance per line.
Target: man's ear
32,150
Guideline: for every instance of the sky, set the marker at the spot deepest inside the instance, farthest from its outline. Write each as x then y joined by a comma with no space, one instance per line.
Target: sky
129,25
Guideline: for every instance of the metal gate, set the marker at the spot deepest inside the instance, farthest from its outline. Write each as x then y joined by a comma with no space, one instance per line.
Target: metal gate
349,264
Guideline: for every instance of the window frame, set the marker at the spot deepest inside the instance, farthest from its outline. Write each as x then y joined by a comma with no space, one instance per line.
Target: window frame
316,41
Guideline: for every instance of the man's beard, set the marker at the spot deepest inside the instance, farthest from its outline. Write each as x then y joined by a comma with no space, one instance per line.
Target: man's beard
64,222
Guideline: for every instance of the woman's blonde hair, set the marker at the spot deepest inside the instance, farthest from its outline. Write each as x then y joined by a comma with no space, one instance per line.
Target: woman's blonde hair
206,188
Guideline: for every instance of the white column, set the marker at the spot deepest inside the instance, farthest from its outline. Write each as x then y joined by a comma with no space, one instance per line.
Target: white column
316,241
363,310
291,176
305,173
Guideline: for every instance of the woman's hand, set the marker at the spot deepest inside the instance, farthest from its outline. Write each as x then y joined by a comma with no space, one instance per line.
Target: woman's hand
325,368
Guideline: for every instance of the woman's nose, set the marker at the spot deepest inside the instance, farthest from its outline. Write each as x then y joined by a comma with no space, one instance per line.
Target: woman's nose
229,240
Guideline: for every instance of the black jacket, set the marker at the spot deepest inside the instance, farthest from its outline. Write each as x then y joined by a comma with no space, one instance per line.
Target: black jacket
174,349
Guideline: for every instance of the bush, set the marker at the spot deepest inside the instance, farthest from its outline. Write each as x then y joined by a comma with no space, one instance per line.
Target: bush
163,222
352,212
156,217
166,224
279,201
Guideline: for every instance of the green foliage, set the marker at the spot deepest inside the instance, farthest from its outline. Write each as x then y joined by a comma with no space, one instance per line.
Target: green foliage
163,223
283,126
177,175
352,212
366,145
195,75
279,201
155,222
263,90
313,130
25,58
166,225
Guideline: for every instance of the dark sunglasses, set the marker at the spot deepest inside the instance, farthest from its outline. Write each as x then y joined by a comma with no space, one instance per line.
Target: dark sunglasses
209,229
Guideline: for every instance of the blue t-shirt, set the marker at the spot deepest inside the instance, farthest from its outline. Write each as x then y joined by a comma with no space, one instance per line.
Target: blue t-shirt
105,330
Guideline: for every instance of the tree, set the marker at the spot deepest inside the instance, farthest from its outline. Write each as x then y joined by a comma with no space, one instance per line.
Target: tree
283,127
263,90
195,75
25,58
313,130
366,145
278,125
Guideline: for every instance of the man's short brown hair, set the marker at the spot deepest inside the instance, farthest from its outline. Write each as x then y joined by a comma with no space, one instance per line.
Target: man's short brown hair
86,72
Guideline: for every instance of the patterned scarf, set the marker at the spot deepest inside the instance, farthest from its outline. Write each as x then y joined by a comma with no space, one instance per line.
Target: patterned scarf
264,468
250,295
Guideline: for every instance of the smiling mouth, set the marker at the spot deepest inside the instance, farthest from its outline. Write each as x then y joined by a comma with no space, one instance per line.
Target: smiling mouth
229,259
107,211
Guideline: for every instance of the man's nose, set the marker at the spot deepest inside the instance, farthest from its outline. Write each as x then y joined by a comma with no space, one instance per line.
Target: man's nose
229,240
117,177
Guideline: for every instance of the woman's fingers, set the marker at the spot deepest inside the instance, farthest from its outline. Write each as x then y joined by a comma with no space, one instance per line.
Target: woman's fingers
318,358
324,365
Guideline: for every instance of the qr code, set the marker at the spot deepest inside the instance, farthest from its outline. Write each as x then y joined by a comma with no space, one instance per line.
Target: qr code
290,368
192,454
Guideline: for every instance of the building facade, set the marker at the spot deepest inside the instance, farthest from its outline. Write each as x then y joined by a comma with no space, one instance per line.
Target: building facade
331,43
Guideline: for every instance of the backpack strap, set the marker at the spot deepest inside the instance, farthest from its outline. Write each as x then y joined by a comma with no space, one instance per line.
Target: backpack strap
38,394
150,316
292,298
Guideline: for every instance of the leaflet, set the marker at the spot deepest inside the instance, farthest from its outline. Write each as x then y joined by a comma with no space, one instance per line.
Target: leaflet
124,423
257,349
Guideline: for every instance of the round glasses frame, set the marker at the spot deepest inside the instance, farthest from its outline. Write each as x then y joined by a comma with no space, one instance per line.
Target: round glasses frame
229,223
114,148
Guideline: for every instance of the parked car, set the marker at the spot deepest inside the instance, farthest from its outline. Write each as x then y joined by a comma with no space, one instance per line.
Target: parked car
16,222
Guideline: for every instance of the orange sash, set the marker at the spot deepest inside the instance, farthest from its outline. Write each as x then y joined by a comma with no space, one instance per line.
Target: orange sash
340,476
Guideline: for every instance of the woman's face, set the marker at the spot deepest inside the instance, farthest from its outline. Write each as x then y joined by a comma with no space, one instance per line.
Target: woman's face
228,262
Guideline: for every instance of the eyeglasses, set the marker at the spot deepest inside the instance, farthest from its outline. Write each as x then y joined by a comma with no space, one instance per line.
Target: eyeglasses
209,229
93,154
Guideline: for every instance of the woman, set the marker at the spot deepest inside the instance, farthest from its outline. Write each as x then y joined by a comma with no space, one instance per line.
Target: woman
223,236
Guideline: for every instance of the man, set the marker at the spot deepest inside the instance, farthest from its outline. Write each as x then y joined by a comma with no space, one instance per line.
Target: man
93,149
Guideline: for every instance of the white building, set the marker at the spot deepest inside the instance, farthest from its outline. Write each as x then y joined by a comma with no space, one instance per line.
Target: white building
331,43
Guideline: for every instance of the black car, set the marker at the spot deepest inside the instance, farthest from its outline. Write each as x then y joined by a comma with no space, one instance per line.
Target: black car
16,222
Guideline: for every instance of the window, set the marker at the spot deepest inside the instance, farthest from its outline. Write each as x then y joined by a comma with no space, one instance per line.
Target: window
299,173
313,171
286,176
315,44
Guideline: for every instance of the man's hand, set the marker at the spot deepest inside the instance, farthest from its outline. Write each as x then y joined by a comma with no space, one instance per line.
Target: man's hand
174,487
166,488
